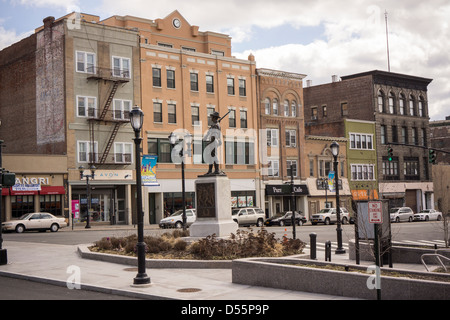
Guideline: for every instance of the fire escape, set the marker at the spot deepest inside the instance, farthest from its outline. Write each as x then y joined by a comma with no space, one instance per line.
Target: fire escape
112,79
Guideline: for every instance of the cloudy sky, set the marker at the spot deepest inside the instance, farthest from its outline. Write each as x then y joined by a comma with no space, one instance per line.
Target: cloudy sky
318,38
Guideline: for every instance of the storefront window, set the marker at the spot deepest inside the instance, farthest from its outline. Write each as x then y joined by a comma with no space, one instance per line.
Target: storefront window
173,201
51,203
21,205
243,199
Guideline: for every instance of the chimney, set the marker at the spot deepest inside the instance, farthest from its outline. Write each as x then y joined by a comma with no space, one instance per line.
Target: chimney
48,21
308,83
334,78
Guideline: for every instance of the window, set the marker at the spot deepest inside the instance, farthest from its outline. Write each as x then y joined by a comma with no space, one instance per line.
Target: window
122,109
392,103
194,81
156,77
243,115
421,103
361,141
232,118
209,111
412,109
87,152
171,79
272,137
344,108
242,88
324,111
165,45
314,113
275,107
230,86
394,134
404,135
286,108
87,107
291,164
414,137
218,53
195,117
209,84
402,104
274,168
362,171
267,105
51,203
390,169
383,134
291,138
160,148
294,108
423,137
381,101
311,168
172,113
123,152
157,112
324,168
411,169
239,151
21,205
121,67
85,62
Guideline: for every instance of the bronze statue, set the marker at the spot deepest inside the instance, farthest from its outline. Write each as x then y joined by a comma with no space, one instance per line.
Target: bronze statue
214,138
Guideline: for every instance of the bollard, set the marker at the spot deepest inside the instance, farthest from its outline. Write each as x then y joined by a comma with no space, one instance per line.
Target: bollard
313,246
328,251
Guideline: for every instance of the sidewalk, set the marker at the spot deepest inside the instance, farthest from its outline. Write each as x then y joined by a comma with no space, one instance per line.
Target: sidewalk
61,264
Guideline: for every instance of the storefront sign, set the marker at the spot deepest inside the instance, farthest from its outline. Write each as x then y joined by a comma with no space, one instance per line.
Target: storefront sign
285,190
26,187
113,175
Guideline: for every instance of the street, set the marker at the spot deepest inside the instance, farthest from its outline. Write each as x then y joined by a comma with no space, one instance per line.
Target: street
431,230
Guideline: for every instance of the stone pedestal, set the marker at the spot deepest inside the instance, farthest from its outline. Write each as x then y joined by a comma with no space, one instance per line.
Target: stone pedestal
213,207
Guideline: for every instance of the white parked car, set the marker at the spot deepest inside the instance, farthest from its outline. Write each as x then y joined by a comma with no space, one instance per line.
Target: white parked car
428,214
175,220
328,216
35,221
401,214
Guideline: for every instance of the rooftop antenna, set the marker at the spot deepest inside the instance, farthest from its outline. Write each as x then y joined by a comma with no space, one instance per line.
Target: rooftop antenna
387,39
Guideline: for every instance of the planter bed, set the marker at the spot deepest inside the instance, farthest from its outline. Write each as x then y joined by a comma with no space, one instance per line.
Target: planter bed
294,274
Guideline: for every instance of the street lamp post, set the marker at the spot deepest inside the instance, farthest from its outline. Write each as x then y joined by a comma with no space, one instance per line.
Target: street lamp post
335,151
88,191
186,140
137,119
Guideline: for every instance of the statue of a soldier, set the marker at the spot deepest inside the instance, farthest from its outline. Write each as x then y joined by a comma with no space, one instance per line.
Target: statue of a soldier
214,140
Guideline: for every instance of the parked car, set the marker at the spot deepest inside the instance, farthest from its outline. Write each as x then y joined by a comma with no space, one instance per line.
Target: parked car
35,221
248,216
401,214
175,220
285,219
328,215
428,214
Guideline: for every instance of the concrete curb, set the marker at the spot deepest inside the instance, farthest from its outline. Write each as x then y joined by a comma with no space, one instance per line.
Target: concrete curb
85,253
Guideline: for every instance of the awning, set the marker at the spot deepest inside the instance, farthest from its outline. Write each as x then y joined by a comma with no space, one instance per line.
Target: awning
52,190
5,191
23,192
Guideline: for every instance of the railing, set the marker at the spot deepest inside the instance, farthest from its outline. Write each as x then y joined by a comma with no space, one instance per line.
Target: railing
117,115
438,258
106,73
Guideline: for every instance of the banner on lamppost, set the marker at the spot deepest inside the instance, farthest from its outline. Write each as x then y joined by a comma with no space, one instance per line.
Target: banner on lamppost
148,170
331,184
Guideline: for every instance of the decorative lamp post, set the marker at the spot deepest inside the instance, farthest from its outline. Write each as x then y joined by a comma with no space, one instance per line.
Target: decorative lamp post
335,151
173,139
88,190
137,119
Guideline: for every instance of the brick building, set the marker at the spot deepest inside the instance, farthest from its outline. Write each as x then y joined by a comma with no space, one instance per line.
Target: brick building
398,104
440,139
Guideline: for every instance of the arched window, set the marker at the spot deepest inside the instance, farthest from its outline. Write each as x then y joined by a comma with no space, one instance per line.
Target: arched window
275,107
267,105
392,109
294,108
402,103
286,108
412,109
381,101
421,106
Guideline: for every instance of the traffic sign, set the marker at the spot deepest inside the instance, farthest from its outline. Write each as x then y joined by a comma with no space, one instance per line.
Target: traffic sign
375,212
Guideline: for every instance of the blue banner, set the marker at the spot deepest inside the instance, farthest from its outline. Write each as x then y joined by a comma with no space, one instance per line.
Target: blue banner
148,170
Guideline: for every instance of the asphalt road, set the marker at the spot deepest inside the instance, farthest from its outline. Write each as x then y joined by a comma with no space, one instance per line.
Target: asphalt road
431,230
18,289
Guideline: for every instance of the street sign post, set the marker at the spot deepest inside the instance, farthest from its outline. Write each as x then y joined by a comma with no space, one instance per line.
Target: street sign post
376,218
